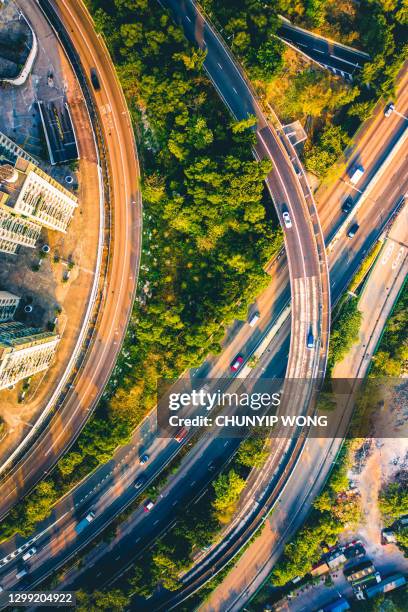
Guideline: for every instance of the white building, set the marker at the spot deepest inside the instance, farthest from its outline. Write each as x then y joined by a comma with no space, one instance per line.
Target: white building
24,351
15,230
43,199
8,305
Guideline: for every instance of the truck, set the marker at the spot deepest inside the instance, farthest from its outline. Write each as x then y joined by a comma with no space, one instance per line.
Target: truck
340,605
85,522
357,174
385,586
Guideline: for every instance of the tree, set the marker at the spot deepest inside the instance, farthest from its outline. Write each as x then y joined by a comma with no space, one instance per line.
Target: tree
252,452
328,149
394,500
227,488
67,464
115,600
344,332
244,124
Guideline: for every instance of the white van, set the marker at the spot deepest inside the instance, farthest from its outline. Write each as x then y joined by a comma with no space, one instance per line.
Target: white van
30,552
254,319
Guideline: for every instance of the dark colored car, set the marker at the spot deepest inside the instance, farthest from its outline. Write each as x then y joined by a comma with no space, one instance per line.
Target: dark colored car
353,230
95,79
139,482
347,204
144,459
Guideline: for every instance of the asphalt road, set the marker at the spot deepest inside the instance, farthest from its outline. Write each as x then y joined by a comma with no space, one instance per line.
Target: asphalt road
340,59
111,487
125,244
376,302
307,269
86,495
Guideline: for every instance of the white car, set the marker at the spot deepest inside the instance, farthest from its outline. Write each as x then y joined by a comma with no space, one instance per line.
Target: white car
286,219
389,109
254,319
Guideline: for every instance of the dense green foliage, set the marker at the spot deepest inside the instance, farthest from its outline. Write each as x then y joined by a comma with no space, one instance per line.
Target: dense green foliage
391,358
394,500
302,91
344,332
252,452
112,601
228,488
208,232
328,148
249,27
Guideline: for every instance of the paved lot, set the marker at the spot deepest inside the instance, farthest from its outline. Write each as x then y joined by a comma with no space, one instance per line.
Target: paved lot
15,40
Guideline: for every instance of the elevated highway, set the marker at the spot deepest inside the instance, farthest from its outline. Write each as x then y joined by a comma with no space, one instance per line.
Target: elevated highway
304,242
115,478
340,59
110,116
110,488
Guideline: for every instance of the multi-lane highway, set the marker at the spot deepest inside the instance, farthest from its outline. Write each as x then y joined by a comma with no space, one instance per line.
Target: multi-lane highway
310,299
340,59
124,247
376,302
98,489
110,488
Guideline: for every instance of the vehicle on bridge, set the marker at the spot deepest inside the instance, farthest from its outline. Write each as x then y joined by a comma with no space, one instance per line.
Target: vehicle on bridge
389,109
237,363
181,434
357,174
139,482
148,505
353,230
286,218
347,204
254,319
30,552
95,79
85,522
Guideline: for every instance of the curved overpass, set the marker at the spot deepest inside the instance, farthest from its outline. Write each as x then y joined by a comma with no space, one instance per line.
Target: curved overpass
76,32
110,488
309,278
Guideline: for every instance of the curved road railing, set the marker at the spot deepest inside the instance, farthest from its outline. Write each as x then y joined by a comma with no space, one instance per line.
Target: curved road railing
76,406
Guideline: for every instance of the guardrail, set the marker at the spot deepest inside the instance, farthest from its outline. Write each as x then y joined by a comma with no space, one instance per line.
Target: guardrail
86,337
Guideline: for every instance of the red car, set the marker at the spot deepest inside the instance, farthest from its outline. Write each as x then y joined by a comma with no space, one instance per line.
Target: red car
237,363
181,434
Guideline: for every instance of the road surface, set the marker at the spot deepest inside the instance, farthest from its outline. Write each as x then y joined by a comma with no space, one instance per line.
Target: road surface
310,299
376,302
110,488
125,244
124,468
340,59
